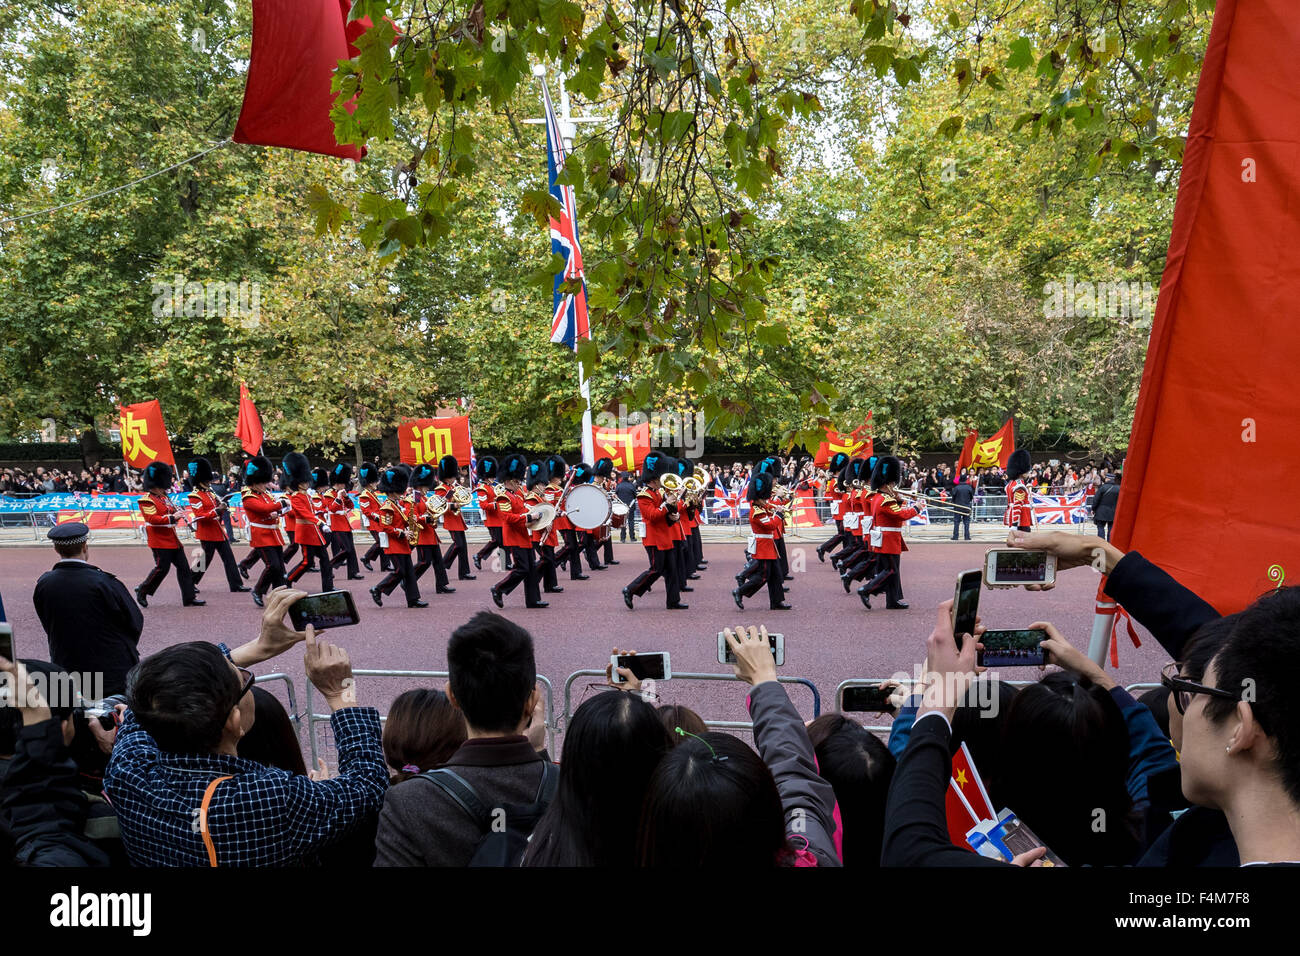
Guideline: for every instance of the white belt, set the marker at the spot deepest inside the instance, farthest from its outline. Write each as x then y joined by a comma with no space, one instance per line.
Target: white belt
272,527
764,536
883,528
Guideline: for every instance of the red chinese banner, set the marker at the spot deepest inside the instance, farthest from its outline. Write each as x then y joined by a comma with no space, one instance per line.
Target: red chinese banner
425,440
804,512
626,446
997,448
850,444
144,438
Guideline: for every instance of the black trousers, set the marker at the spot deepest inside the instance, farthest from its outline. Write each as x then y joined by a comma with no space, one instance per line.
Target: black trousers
785,561
163,560
629,524
273,575
571,552
957,523
663,564
767,571
458,553
254,555
685,562
403,573
430,556
862,565
697,546
838,538
376,550
345,552
315,552
524,568
494,542
546,567
609,545
227,559
1103,530
888,578
292,548
591,545
850,551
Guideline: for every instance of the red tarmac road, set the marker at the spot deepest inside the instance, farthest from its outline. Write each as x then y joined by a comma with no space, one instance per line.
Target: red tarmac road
829,635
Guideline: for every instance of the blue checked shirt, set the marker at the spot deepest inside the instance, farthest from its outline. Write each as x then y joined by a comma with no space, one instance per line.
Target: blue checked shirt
262,816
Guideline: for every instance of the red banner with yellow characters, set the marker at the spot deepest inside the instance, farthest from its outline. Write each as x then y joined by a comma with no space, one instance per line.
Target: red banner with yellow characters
426,440
836,442
626,446
144,438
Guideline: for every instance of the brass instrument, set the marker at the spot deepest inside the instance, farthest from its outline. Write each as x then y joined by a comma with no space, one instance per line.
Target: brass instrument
672,486
413,522
436,506
931,502
461,496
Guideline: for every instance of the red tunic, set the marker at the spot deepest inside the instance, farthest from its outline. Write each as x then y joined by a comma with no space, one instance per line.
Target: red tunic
514,519
160,520
306,529
889,516
370,504
203,514
451,519
765,525
651,505
1020,511
487,500
551,495
391,519
419,506
531,500
263,511
339,505
835,497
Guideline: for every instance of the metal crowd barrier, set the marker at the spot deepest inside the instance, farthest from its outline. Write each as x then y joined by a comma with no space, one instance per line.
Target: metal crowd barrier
289,693
743,725
313,718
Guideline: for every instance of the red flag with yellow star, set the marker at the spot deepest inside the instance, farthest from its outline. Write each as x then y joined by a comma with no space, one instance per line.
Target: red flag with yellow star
144,438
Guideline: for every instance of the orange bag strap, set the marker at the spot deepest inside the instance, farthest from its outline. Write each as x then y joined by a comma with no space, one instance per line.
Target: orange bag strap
203,818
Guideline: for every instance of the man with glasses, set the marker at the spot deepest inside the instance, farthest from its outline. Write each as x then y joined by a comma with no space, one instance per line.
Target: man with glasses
183,795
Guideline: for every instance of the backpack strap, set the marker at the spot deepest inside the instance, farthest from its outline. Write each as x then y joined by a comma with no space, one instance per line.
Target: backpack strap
203,818
550,782
459,789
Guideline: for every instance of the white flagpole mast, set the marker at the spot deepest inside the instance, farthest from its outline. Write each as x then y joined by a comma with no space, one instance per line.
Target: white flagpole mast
567,128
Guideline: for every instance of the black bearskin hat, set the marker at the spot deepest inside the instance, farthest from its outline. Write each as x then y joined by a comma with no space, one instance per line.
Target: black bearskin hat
320,478
258,471
653,466
556,467
448,468
296,468
394,480
200,470
760,487
1018,464
887,472
341,473
604,467
368,474
837,462
514,468
583,473
423,476
537,473
157,474
487,468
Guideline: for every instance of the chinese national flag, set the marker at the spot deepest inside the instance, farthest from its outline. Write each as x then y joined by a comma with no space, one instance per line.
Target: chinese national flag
961,818
626,446
249,427
972,786
426,440
287,98
144,439
996,449
968,450
852,445
1221,363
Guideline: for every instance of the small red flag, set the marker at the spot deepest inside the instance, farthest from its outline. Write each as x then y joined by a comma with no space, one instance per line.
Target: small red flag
249,427
972,786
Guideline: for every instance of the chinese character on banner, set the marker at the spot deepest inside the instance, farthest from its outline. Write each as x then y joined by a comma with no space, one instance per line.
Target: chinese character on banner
851,444
425,440
144,439
626,446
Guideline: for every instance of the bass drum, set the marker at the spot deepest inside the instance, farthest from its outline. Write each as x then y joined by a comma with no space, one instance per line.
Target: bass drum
620,513
586,507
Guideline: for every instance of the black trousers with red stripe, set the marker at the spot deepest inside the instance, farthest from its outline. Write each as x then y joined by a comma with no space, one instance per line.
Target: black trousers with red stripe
316,551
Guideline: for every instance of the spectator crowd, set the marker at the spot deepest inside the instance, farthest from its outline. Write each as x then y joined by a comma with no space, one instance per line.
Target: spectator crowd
195,765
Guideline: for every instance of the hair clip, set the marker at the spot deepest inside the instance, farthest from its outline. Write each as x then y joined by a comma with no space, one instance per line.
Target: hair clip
687,733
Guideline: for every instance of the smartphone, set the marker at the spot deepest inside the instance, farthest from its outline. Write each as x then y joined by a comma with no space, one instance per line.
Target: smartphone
7,642
867,699
775,641
656,666
1012,649
325,610
1012,567
966,603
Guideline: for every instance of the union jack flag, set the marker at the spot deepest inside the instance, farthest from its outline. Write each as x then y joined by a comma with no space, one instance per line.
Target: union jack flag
1060,509
922,516
729,506
569,320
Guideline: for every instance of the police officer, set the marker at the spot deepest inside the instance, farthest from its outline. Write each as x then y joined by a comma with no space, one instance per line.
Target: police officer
90,621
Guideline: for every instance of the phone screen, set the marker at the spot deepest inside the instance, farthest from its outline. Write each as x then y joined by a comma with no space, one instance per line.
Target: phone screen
775,641
966,603
1020,567
643,666
873,699
1014,648
323,611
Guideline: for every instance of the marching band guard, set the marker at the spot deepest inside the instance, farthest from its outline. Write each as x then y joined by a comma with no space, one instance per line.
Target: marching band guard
513,511
205,512
369,504
160,517
834,494
1020,509
655,510
854,481
589,540
764,522
453,522
570,554
865,564
544,540
395,522
605,476
339,506
308,532
488,470
681,529
889,514
263,511
428,549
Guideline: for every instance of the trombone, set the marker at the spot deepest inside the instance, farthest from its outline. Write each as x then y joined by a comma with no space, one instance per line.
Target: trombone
934,503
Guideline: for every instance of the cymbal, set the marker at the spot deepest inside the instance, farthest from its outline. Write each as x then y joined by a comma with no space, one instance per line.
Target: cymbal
540,516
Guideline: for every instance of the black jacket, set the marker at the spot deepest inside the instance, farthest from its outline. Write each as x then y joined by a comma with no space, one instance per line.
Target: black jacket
625,491
963,493
1104,502
91,621
42,804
